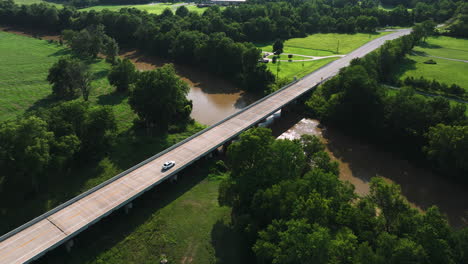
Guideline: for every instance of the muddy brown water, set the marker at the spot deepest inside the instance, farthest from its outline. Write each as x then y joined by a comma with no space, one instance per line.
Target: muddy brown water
360,161
213,98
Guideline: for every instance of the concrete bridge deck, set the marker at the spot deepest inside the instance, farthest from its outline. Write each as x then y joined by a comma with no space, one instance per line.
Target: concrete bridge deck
57,226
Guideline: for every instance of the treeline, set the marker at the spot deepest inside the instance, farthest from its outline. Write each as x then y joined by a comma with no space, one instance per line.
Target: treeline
216,40
39,146
459,28
88,3
435,87
414,125
292,208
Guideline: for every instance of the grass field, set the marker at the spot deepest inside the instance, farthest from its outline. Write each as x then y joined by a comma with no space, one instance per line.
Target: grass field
299,69
182,220
285,57
445,71
23,86
157,8
29,2
324,44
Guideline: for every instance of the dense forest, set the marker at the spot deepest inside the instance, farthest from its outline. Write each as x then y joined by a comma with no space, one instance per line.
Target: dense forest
292,208
431,130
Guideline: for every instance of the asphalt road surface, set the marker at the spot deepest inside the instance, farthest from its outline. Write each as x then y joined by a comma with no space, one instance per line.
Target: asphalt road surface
56,227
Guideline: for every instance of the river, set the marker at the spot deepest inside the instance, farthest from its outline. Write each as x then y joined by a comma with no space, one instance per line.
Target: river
214,99
360,161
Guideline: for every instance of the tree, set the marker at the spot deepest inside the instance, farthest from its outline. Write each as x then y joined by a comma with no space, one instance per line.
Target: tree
293,242
110,49
447,146
278,46
159,98
25,149
90,41
182,11
388,198
68,76
311,145
122,75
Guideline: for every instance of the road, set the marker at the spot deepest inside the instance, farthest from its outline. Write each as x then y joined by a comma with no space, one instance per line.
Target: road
62,223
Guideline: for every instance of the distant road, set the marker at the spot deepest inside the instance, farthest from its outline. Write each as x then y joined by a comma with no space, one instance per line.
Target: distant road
59,225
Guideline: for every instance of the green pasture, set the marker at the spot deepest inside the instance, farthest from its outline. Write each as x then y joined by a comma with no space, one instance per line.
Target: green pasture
30,2
284,56
156,8
23,86
182,220
445,71
299,69
447,47
324,44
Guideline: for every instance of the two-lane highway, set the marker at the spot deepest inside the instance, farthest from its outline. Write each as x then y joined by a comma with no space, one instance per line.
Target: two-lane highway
59,225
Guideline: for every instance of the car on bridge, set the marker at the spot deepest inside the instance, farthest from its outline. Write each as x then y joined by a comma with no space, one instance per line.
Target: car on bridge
167,165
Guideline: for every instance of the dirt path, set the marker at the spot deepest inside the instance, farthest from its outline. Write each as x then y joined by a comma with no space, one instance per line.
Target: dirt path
46,35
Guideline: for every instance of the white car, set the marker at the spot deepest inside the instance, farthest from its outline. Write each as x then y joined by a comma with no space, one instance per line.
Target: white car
168,164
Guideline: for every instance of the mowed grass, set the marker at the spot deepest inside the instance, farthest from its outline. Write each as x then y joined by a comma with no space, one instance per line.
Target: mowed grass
156,8
445,71
324,44
447,47
299,68
181,220
24,65
30,2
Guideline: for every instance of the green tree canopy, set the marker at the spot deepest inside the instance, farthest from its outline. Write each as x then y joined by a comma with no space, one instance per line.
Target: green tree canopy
122,75
159,98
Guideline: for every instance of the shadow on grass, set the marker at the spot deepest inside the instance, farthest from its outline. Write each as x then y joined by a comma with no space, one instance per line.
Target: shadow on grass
429,46
114,98
115,228
100,74
61,52
406,65
43,103
229,245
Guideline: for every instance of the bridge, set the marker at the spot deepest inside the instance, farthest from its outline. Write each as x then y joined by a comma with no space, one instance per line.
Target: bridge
33,239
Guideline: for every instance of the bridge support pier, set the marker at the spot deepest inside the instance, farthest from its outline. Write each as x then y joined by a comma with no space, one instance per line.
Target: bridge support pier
128,207
173,178
69,245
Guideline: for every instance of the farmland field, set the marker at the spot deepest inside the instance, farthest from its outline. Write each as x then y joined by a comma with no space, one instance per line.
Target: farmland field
446,71
157,8
324,44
